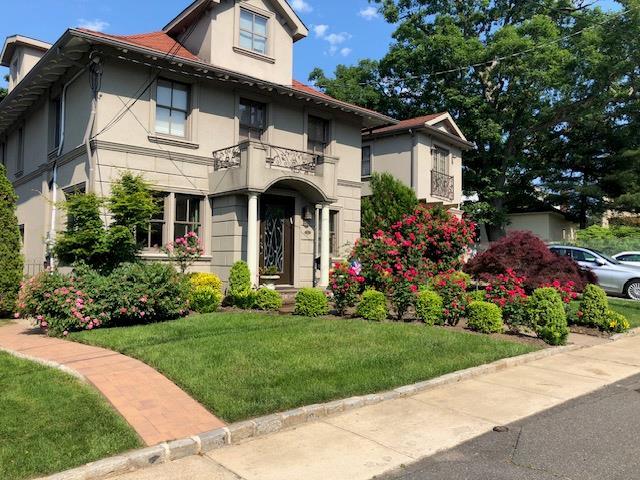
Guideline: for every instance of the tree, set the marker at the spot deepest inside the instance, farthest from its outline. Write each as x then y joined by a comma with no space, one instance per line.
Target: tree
3,90
11,262
389,201
132,203
509,73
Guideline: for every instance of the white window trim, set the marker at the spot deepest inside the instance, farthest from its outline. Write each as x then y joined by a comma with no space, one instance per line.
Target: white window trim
190,140
270,16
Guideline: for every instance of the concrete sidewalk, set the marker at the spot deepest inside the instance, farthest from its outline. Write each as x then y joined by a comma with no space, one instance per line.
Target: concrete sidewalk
372,440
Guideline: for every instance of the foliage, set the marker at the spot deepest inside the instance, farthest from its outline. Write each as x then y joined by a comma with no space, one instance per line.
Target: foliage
204,299
477,296
268,299
429,307
345,285
240,291
184,251
593,307
311,302
610,240
200,279
506,291
452,287
566,291
11,262
547,316
390,201
527,256
616,322
132,203
85,299
373,306
484,317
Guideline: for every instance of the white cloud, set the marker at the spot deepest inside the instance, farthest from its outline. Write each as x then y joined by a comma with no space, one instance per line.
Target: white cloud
369,13
337,38
320,30
96,24
345,52
301,6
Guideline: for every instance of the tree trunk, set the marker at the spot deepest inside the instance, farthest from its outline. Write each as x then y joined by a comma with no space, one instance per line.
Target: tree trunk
496,231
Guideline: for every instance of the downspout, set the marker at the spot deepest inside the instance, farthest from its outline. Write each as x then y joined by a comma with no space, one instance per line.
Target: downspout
54,195
96,74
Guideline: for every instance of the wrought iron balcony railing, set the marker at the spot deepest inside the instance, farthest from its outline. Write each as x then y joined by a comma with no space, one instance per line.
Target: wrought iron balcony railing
287,158
442,185
226,158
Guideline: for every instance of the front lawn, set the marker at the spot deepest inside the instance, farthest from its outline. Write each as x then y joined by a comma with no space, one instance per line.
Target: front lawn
628,308
242,365
50,422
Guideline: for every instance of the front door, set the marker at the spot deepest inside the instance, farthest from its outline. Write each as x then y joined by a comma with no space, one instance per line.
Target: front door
276,238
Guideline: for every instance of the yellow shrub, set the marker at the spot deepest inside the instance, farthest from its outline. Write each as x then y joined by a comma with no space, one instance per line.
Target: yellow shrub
206,280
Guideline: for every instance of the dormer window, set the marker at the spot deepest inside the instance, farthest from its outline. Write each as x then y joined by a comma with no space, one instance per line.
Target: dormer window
253,32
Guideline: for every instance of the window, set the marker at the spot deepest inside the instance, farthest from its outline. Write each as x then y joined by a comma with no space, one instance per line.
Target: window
20,158
366,161
154,236
440,160
21,228
78,189
3,154
253,119
14,72
629,258
187,215
318,135
582,256
172,105
253,31
57,121
333,233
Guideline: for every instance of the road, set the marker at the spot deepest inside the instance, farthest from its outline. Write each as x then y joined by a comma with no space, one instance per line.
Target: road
596,436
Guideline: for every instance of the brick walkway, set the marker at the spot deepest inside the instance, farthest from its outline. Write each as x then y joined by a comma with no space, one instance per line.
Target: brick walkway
154,406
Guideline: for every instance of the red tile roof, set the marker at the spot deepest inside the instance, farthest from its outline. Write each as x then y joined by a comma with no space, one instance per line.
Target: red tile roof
157,41
408,124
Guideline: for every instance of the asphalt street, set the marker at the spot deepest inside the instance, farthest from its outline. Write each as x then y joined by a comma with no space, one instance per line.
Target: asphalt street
594,437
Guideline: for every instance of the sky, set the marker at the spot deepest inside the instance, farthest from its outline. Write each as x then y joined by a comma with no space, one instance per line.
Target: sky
340,31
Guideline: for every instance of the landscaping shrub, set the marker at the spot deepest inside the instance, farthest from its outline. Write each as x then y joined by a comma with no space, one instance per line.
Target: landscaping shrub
547,316
528,257
452,287
506,291
206,279
616,322
345,284
593,307
573,310
11,262
204,299
184,251
429,307
373,306
389,202
612,240
477,296
268,300
484,317
311,302
240,289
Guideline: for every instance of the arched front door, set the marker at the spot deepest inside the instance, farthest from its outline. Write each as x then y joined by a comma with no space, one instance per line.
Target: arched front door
277,238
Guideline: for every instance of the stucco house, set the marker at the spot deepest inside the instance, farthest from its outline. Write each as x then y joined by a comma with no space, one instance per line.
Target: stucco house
264,168
424,152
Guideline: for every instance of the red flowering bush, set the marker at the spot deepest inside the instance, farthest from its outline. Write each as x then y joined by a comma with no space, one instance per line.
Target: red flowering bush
506,290
184,251
345,283
452,287
566,290
528,257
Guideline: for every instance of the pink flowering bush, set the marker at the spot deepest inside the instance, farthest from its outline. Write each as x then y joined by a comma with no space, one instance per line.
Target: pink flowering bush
452,287
507,291
184,251
345,283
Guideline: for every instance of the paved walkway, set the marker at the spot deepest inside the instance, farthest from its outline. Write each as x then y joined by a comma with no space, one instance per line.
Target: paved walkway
360,444
154,406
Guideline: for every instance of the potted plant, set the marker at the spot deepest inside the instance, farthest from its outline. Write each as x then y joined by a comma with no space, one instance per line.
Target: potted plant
269,275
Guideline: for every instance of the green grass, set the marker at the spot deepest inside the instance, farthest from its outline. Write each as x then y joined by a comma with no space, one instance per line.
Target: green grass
628,308
50,422
243,365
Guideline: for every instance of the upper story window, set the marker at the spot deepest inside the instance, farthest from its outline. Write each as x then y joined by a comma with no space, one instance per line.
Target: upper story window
253,119
366,161
253,31
440,160
172,105
187,217
318,135
20,158
13,71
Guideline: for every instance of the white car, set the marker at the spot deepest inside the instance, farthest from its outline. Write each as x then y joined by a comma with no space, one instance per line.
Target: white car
628,258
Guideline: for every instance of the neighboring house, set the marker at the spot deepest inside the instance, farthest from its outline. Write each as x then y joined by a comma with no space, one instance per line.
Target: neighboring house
425,153
264,168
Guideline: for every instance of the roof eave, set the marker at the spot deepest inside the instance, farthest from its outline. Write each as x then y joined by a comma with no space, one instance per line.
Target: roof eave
462,143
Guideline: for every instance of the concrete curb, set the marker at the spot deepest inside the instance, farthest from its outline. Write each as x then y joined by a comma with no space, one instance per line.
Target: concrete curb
630,333
234,433
47,363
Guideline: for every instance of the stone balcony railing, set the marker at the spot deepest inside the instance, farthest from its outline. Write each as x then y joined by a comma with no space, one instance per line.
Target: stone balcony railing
256,166
442,185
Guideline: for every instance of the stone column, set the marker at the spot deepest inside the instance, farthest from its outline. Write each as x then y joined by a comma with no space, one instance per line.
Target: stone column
252,237
325,261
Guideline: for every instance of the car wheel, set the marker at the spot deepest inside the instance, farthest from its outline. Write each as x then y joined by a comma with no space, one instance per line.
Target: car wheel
633,290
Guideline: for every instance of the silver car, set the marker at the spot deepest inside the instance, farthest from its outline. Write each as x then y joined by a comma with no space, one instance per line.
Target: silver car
628,258
614,277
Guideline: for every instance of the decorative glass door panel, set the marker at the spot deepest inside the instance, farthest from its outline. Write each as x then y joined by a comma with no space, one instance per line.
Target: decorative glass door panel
273,241
277,238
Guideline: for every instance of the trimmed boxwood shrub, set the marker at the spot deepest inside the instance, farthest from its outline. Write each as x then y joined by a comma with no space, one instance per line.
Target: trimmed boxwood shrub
373,306
311,302
478,296
593,307
268,299
484,317
429,307
240,290
11,262
204,299
547,316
